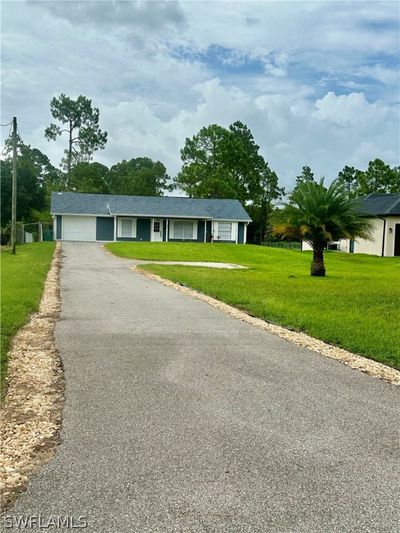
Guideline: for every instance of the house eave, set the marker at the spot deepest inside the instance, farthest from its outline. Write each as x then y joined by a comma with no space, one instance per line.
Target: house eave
140,215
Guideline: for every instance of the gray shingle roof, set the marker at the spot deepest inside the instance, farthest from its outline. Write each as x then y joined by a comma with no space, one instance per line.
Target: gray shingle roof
380,204
159,206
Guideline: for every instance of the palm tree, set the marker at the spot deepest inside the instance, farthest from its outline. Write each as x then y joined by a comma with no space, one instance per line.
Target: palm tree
318,215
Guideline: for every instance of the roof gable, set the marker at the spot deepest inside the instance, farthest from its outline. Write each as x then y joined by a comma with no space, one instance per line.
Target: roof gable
158,206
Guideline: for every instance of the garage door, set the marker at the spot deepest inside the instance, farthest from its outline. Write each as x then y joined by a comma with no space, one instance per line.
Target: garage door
77,228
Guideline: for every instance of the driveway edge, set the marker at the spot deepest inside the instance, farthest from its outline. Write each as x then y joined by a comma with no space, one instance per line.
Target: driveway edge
31,411
357,362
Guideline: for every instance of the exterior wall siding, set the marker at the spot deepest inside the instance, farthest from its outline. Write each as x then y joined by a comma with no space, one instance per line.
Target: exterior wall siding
104,229
200,230
164,233
373,247
58,227
390,235
208,230
241,233
143,231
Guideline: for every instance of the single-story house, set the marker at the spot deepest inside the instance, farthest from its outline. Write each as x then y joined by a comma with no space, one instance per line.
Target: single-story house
383,211
109,217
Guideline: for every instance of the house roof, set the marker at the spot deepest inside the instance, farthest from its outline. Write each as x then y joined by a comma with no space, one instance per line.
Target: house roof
380,204
159,206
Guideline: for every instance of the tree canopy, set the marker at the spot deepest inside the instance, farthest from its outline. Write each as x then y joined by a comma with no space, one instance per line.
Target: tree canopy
80,121
33,169
139,176
223,163
307,175
377,178
90,177
226,163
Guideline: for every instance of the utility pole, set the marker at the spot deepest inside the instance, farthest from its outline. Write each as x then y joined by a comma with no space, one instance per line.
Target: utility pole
14,187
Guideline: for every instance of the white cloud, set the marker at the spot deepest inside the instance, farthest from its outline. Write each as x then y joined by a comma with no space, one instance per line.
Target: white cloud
381,73
350,110
294,72
292,132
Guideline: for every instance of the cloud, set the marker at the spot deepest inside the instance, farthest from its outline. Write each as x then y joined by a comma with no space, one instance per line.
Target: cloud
316,82
292,131
382,73
350,110
150,16
276,64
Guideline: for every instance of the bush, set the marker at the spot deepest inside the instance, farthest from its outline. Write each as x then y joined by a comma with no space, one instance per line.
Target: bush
5,235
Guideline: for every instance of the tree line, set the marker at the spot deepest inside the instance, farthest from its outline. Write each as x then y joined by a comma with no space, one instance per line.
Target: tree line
217,162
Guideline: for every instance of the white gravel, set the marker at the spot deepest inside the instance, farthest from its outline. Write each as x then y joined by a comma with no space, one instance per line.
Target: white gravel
31,411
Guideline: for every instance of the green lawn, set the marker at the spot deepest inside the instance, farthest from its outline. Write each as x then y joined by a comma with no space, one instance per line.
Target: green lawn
22,280
356,306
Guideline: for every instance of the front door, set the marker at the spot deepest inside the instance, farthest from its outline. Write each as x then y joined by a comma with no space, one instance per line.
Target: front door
157,230
397,240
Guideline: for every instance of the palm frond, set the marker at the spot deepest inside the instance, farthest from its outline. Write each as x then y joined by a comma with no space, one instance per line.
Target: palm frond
321,214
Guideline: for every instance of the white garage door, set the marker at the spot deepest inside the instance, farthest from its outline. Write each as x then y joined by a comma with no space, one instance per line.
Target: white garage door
77,228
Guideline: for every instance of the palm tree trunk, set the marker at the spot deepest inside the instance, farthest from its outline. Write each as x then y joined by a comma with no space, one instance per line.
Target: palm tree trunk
317,265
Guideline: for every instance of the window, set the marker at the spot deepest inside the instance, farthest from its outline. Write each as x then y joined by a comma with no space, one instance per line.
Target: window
224,231
156,226
127,227
184,229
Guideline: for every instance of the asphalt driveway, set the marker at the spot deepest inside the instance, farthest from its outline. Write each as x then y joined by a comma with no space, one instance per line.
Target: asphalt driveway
180,418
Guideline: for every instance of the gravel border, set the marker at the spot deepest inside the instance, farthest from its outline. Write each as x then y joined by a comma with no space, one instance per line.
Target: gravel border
31,411
358,362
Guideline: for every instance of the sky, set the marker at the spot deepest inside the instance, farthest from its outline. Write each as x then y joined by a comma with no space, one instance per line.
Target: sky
316,82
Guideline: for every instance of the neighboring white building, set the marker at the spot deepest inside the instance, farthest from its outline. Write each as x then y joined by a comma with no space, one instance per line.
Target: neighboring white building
383,211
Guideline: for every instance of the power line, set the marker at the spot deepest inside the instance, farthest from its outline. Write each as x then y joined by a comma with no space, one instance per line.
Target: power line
4,125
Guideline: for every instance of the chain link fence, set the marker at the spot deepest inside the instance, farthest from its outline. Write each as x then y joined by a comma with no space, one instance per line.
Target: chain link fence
27,233
35,232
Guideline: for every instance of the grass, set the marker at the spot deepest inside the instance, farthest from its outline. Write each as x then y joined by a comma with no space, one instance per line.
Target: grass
22,281
356,306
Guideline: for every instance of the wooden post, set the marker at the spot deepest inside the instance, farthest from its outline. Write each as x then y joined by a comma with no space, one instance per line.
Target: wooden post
14,187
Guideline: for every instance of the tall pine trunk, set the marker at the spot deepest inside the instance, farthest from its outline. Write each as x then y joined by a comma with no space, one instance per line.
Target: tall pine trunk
317,265
69,157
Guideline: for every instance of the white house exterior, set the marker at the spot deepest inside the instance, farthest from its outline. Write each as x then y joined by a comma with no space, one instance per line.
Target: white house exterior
383,211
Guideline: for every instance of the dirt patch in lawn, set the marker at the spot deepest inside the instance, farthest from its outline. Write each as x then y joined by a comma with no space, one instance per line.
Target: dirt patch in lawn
31,411
373,368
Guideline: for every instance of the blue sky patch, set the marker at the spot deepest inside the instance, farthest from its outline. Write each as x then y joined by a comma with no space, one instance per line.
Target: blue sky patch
221,59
